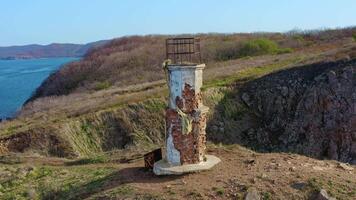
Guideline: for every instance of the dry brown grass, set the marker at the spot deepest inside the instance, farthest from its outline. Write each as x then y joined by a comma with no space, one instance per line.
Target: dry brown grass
135,60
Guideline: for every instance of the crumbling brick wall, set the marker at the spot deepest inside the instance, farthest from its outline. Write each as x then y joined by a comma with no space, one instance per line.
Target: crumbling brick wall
191,146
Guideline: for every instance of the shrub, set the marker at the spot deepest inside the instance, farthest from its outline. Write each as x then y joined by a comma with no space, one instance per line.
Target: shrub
284,50
219,191
354,37
256,47
102,85
228,51
298,38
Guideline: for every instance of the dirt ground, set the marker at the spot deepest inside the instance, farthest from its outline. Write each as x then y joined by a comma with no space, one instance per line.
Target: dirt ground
274,175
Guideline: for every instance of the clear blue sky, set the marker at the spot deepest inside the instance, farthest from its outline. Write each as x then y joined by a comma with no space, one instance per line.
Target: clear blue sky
81,21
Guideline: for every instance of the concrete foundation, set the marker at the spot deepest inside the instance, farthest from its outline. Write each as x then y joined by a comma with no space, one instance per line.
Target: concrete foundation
162,167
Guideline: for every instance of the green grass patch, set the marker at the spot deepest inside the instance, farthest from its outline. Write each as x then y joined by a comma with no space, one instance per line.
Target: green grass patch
48,182
354,37
155,105
84,137
219,191
102,85
249,74
315,185
231,109
256,47
266,196
11,129
299,38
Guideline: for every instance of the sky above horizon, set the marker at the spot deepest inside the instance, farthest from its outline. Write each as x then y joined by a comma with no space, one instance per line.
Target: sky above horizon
82,21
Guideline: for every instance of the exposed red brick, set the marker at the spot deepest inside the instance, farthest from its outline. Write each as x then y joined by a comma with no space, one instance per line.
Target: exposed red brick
190,100
192,145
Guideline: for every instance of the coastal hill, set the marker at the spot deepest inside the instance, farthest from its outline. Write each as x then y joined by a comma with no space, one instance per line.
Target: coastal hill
47,51
282,118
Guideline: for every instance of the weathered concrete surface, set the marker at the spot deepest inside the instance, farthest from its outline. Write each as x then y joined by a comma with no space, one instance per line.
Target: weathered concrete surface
186,148
179,75
185,124
186,115
162,167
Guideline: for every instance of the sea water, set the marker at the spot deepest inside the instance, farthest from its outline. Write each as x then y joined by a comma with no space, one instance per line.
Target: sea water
20,78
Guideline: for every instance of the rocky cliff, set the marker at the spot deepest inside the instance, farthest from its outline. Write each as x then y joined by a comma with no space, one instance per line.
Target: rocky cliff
309,110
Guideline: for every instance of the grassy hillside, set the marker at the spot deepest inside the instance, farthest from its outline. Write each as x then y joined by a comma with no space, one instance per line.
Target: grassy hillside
88,118
89,141
132,60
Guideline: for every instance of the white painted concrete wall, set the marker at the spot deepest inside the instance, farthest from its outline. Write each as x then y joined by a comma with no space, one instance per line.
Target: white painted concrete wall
178,76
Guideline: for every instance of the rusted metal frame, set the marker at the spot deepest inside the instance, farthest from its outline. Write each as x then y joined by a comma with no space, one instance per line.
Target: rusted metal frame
183,49
179,42
186,53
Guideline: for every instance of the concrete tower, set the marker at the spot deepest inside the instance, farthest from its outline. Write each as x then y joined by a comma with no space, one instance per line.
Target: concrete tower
186,114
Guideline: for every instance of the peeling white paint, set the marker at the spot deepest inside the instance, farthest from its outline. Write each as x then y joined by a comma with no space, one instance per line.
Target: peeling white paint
175,86
173,155
179,76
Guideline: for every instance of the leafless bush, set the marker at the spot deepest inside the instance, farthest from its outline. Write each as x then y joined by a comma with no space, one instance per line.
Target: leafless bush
137,59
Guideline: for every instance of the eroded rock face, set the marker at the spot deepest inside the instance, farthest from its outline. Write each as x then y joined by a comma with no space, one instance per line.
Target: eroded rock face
38,140
310,110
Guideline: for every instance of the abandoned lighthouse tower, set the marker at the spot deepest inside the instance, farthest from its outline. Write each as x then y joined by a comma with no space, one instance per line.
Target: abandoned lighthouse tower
186,114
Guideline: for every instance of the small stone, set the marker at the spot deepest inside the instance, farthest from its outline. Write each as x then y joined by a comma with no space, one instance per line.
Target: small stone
264,176
254,180
252,194
318,168
323,195
246,98
214,128
284,91
292,169
298,185
251,161
345,167
331,77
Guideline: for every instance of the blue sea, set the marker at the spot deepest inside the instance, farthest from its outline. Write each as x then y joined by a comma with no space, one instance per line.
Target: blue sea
20,78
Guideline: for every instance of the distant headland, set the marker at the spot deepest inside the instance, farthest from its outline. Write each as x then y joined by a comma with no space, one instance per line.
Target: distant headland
47,51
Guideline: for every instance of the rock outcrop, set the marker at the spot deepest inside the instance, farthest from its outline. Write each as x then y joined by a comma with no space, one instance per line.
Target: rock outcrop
309,110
